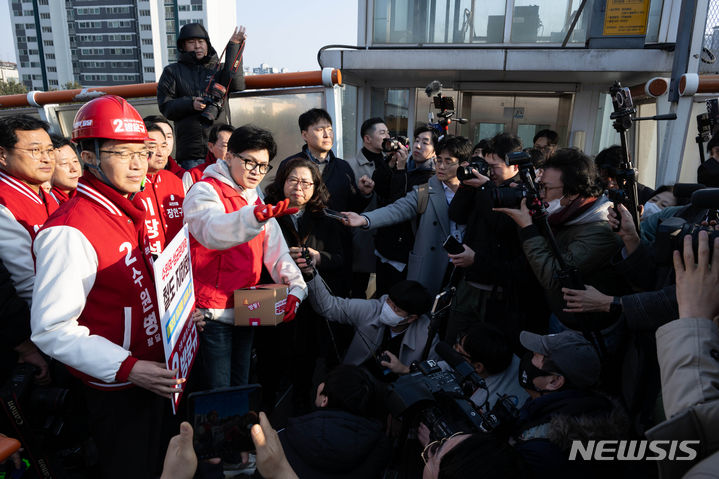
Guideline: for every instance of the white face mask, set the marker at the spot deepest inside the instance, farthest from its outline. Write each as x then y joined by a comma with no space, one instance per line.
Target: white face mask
389,317
554,206
650,208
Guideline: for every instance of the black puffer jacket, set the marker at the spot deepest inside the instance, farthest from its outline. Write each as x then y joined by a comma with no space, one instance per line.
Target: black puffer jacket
188,78
335,444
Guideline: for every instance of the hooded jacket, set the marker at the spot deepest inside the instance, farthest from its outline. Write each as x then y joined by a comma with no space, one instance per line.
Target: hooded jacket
331,443
218,230
188,78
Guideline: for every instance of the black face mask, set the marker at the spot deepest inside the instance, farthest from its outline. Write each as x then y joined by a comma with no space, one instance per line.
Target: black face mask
528,371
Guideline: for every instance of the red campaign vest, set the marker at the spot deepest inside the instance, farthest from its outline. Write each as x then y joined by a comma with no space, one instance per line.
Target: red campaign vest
199,170
61,196
218,273
122,304
162,200
30,209
174,168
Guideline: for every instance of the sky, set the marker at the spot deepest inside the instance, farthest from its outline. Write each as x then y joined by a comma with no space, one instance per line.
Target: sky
281,33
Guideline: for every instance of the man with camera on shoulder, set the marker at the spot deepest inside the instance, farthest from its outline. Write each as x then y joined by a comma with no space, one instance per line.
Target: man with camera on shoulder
192,91
494,271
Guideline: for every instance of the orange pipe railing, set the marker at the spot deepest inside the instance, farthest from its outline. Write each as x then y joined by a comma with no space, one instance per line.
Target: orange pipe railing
253,82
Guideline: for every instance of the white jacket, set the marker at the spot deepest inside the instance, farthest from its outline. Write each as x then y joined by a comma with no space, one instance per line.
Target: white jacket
214,228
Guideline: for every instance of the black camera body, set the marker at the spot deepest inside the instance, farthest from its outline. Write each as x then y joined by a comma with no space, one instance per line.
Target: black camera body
214,100
392,145
477,163
437,399
707,122
670,237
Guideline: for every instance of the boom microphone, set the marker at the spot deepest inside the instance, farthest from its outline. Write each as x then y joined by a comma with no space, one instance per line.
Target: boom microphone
434,87
705,198
459,364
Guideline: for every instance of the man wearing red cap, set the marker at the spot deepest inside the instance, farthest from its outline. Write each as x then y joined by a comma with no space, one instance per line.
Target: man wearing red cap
95,307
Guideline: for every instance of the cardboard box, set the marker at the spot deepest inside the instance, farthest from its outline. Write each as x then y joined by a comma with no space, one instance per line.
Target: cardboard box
261,305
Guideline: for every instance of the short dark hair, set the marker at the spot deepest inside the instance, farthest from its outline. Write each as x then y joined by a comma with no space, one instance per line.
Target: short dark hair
275,191
157,119
352,389
149,126
482,145
424,129
609,159
411,296
551,136
10,124
59,141
481,452
251,137
456,146
367,125
536,156
487,344
502,144
310,117
216,129
579,174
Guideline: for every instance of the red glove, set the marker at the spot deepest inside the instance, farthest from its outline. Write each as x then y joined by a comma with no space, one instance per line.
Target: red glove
291,306
265,212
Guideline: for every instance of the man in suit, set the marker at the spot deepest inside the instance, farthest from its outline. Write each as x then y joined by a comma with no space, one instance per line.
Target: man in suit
428,261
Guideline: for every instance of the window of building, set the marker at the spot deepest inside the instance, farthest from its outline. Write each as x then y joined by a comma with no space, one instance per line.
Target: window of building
147,41
144,13
26,77
37,77
45,16
50,56
92,51
148,56
87,77
32,51
48,43
119,24
47,29
29,26
27,13
32,39
118,37
51,69
197,8
146,28
132,77
42,2
183,8
119,10
149,69
53,82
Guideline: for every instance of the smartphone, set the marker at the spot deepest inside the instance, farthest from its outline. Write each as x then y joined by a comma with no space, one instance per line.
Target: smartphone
334,214
452,246
222,419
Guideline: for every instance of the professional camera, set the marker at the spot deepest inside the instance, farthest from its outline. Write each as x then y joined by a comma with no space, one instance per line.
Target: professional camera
214,100
477,163
439,399
391,145
511,197
36,417
670,232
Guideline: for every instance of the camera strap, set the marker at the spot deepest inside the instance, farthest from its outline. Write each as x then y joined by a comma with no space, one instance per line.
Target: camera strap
236,62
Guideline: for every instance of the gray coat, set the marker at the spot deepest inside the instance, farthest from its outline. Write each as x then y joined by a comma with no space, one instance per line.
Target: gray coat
686,350
363,314
428,261
363,258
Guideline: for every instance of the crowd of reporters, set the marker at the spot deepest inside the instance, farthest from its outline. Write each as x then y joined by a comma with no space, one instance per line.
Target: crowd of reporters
565,313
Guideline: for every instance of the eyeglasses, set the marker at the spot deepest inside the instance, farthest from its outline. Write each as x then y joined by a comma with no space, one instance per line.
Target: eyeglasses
250,165
431,449
36,152
126,156
440,162
293,182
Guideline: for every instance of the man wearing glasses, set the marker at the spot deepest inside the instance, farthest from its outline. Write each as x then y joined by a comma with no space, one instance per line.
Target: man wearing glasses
94,304
26,162
428,260
233,235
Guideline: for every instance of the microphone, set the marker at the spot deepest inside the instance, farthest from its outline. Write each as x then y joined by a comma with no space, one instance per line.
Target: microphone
706,198
434,87
459,364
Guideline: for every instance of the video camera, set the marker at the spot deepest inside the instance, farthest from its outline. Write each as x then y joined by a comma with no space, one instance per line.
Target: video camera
707,125
440,399
445,105
477,163
670,232
215,94
511,197
391,145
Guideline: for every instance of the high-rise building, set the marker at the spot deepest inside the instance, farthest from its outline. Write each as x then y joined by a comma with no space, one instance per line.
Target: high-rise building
107,42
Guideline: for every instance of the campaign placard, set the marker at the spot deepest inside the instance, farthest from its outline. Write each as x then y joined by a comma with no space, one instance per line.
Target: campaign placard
176,301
